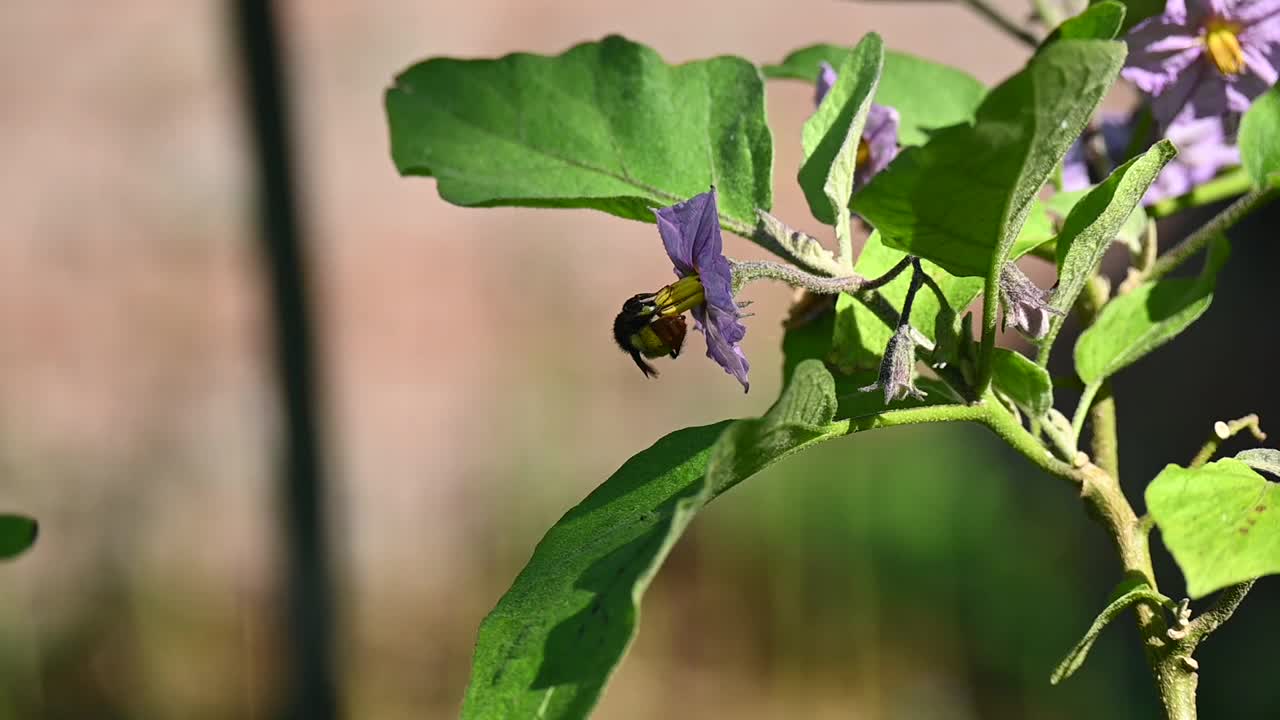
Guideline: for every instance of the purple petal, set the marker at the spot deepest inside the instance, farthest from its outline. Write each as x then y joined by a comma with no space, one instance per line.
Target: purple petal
1157,61
1200,80
1252,13
826,80
719,332
1075,171
881,136
1260,65
688,229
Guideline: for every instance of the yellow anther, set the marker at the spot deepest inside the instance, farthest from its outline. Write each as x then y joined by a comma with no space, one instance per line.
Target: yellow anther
864,154
1223,44
680,296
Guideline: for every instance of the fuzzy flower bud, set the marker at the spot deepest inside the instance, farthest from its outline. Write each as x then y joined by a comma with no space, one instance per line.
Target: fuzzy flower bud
897,367
1026,306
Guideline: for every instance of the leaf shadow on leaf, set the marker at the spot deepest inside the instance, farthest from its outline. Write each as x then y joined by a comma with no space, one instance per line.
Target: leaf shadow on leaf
579,645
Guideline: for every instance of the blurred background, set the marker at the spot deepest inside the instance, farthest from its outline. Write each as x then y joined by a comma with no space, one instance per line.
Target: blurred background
472,394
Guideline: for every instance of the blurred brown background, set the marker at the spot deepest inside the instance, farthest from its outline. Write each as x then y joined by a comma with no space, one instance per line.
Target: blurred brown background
473,394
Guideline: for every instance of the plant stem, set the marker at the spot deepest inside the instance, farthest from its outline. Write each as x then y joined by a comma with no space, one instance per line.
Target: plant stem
1082,410
995,17
1196,241
749,271
1223,431
1102,428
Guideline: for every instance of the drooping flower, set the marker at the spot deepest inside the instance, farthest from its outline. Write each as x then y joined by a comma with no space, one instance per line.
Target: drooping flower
1204,149
691,233
1026,306
1205,58
897,367
879,143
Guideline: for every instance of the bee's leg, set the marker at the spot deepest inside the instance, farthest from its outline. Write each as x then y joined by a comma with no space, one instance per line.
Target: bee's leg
646,368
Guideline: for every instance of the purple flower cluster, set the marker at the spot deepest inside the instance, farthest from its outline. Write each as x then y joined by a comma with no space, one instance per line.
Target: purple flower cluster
1205,58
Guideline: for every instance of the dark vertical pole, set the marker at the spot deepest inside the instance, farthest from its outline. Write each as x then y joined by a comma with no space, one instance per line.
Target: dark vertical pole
312,689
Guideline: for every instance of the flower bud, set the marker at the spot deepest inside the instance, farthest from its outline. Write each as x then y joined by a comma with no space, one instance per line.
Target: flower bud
1026,306
897,367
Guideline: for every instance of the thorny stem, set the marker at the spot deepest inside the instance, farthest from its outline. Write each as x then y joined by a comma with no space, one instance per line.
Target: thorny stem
996,18
1196,241
1223,431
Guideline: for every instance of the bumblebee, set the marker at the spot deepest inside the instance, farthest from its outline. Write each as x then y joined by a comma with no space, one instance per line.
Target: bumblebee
642,332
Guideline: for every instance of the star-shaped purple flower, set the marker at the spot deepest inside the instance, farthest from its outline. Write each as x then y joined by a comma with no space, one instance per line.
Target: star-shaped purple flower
1204,149
691,233
1205,58
879,144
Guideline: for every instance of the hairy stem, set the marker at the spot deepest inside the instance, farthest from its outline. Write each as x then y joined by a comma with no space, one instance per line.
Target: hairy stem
1198,240
745,272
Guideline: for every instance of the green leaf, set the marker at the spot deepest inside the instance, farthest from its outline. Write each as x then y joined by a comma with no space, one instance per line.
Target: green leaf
860,335
1096,218
557,635
607,125
961,199
1136,11
1221,522
1025,382
1127,594
1134,324
1264,459
17,533
832,134
1131,231
1100,21
927,95
1260,138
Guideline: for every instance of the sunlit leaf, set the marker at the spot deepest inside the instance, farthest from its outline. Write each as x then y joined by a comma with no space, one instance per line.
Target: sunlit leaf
961,199
1221,522
606,125
927,95
557,635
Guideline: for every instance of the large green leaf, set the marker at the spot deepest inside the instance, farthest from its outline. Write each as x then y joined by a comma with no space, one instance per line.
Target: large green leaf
607,125
555,638
927,95
1134,324
1220,521
1096,218
17,533
860,335
1100,21
833,133
1025,382
961,199
1260,138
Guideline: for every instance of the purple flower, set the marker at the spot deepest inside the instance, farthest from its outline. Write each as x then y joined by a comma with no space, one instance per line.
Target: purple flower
879,143
1205,58
691,233
1204,149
